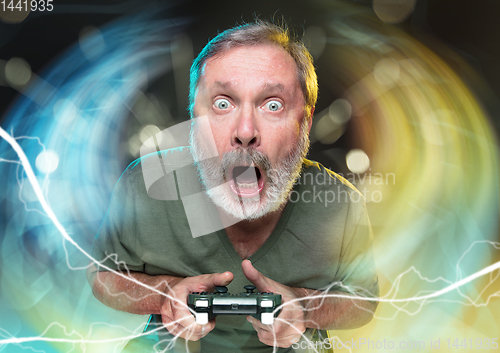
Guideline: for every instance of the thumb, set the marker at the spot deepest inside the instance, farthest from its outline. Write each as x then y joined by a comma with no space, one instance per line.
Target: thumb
222,279
258,279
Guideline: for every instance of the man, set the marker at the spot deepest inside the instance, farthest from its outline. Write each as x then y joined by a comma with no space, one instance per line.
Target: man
255,89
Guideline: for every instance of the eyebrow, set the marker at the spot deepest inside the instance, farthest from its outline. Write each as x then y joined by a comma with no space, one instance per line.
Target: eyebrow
272,86
222,84
267,86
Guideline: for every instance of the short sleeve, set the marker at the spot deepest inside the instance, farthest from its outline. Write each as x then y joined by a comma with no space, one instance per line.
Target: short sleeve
115,244
357,272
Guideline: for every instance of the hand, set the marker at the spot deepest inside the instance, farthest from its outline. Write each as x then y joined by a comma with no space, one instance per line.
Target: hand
290,324
175,314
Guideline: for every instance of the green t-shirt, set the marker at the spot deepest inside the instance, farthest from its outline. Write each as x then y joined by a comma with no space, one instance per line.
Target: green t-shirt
322,237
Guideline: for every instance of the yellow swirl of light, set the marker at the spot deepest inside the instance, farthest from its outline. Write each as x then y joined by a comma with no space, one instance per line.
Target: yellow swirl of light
434,161
425,126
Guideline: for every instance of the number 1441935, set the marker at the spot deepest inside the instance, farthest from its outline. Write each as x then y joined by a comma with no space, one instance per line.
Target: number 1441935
478,343
25,5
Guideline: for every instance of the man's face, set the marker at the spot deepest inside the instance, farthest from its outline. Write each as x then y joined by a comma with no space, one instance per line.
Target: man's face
255,109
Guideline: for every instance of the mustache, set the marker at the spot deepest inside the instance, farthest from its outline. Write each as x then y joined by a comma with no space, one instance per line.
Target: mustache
245,157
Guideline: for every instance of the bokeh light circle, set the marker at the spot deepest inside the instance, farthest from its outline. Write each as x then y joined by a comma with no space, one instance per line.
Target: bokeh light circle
47,161
17,72
357,161
393,11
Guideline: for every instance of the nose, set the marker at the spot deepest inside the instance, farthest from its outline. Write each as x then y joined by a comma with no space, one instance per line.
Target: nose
246,133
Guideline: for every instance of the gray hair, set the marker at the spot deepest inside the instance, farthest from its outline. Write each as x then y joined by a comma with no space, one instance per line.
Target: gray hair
260,32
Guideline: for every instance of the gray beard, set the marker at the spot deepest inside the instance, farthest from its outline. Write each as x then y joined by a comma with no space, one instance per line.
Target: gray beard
212,173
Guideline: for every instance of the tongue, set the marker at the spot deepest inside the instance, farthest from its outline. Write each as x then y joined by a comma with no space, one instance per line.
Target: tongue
246,178
245,174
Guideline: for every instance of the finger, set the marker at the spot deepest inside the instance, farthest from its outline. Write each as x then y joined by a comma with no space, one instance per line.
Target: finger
272,338
278,343
191,331
172,326
180,331
257,325
253,322
258,279
177,312
187,319
221,279
273,335
278,339
195,331
183,316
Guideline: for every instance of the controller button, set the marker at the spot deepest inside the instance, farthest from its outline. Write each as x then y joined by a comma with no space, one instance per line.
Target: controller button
221,289
201,303
249,288
202,318
267,318
266,303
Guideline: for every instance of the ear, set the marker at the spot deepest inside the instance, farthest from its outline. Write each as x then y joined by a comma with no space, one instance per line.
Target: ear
311,119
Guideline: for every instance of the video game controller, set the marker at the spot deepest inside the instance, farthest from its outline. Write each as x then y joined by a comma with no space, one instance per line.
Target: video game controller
259,305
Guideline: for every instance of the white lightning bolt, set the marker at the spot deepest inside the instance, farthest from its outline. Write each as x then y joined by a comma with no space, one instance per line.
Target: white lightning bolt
49,212
323,295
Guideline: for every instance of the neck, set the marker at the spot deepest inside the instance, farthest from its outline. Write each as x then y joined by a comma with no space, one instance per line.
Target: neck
248,236
254,226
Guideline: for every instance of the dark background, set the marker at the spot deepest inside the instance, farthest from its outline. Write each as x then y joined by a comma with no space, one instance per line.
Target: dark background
470,28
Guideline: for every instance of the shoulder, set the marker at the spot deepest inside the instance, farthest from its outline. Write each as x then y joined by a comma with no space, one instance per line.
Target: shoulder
153,173
158,163
169,160
314,173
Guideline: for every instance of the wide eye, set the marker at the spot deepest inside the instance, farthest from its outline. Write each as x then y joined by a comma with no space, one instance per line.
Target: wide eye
222,104
274,106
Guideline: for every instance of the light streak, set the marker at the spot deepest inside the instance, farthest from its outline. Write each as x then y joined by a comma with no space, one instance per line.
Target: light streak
362,102
36,187
21,183
49,212
40,338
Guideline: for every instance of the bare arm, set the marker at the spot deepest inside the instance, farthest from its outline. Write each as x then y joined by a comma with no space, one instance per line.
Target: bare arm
299,311
164,295
122,294
334,313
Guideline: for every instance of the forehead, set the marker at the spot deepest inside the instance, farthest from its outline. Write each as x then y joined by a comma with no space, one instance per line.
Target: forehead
267,64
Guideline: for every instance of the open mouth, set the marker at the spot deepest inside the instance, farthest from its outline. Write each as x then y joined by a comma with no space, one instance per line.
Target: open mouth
246,181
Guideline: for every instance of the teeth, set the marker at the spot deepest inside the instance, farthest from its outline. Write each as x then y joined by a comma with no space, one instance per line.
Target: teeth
247,185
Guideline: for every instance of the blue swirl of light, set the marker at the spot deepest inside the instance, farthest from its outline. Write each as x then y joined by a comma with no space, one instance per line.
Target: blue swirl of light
78,108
